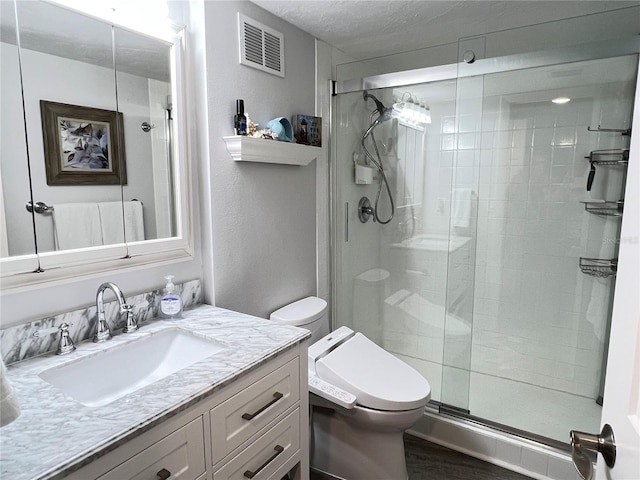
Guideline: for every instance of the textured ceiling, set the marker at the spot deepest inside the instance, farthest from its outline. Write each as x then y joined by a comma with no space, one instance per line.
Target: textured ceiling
368,29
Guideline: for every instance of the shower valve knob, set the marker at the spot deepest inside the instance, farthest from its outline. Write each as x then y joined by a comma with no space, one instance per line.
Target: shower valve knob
365,210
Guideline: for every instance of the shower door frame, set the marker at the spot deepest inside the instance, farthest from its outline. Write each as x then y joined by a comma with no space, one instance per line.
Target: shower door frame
479,67
507,63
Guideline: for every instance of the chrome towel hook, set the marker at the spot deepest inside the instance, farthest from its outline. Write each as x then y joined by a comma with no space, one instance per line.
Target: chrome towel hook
146,127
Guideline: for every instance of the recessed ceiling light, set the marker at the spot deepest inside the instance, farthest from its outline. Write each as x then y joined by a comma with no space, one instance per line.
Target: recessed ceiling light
561,100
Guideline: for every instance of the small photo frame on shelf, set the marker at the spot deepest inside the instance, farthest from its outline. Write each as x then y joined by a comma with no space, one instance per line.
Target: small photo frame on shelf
82,145
307,130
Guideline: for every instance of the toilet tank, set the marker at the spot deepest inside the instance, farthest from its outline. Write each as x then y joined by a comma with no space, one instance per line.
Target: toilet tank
309,313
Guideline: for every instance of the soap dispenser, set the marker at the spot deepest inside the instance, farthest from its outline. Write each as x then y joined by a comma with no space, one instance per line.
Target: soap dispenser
171,303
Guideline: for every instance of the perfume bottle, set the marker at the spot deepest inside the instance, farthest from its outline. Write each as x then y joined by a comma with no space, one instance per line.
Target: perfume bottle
239,119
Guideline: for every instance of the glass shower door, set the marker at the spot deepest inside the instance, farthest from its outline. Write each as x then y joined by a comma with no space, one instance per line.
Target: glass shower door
391,279
494,276
546,158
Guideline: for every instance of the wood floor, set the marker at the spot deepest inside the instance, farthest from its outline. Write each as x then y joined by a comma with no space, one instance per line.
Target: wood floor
428,461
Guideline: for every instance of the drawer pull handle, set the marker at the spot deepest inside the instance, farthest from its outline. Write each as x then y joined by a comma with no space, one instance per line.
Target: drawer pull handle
278,449
249,416
163,474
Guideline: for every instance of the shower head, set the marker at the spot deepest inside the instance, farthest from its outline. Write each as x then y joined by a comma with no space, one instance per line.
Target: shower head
379,106
384,113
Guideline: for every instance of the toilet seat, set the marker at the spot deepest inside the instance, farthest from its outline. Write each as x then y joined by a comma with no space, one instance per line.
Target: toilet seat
377,378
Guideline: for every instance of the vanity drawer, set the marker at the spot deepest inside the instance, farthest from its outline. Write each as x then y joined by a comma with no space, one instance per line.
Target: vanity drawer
267,454
180,455
235,420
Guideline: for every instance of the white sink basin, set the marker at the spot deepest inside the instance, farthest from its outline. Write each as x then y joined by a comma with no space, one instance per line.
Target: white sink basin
106,376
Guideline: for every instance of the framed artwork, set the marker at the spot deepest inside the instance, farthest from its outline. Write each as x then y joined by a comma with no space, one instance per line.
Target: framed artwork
308,130
82,145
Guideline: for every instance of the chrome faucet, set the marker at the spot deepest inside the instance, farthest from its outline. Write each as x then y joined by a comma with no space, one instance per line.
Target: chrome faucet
103,333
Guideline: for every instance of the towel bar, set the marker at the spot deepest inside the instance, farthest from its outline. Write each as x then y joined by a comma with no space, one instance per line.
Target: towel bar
43,209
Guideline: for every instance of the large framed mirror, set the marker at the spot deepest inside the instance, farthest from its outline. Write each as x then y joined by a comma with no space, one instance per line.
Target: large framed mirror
18,251
92,159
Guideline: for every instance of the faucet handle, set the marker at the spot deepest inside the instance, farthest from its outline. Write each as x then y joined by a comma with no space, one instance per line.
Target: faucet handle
66,344
50,330
103,332
130,325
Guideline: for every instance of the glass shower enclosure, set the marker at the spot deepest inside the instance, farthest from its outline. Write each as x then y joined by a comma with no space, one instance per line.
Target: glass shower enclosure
495,275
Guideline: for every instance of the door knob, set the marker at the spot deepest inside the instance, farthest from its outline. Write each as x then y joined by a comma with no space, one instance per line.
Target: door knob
604,443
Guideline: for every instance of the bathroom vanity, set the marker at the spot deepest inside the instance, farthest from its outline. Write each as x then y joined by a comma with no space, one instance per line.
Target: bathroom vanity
240,413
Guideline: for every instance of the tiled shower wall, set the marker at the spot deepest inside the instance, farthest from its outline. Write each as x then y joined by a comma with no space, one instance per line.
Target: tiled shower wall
537,318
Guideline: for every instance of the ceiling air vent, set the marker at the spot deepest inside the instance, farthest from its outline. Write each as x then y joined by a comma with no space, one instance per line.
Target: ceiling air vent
261,47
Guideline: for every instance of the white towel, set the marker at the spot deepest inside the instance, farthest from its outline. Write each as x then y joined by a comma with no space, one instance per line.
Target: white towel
76,225
134,221
9,406
461,207
111,218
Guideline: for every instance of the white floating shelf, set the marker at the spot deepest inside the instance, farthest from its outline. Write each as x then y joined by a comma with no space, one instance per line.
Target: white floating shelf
249,149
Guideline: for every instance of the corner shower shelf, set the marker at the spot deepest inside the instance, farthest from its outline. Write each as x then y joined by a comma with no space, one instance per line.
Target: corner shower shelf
599,267
604,208
249,149
610,157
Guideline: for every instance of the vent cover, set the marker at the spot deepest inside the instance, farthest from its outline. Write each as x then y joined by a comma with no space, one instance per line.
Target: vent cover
261,47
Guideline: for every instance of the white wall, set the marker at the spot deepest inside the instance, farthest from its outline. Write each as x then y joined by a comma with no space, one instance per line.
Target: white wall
164,219
13,151
58,79
263,216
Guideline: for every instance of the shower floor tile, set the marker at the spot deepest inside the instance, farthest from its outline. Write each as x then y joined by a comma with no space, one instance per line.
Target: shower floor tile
539,410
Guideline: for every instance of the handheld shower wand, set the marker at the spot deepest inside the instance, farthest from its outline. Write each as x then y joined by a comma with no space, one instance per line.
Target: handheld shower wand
384,114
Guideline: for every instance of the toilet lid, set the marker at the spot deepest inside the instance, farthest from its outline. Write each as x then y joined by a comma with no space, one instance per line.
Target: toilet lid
378,379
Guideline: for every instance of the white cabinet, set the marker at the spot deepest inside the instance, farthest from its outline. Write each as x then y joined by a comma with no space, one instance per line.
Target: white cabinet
254,428
267,455
249,411
179,455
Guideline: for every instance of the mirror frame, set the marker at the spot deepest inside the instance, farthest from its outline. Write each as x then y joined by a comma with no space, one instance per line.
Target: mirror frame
33,270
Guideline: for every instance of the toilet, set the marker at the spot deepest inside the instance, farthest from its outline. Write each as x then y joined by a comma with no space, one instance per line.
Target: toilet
363,398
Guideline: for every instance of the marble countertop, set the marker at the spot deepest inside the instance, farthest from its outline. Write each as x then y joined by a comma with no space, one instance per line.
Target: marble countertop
32,447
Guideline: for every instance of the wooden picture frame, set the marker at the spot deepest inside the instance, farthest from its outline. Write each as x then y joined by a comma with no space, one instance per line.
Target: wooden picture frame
82,145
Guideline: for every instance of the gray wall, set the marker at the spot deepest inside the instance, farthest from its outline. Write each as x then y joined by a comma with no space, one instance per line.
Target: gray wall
263,216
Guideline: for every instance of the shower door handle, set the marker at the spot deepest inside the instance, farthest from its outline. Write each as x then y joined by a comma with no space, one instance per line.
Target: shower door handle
346,221
604,443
